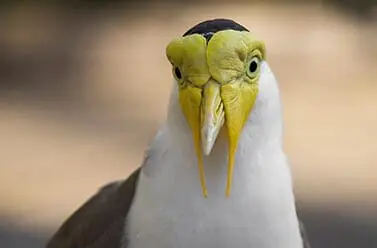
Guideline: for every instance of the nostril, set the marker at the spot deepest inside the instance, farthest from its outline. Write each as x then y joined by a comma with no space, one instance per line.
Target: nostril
219,108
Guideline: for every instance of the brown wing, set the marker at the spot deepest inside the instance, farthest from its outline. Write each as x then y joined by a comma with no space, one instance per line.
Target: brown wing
99,222
304,235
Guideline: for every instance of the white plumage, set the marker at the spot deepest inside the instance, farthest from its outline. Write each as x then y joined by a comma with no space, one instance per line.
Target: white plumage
169,211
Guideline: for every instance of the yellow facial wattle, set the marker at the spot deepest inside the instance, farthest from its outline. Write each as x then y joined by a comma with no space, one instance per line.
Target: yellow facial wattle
218,84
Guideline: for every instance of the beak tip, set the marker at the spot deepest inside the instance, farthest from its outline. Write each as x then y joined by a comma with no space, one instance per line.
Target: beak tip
209,137
207,148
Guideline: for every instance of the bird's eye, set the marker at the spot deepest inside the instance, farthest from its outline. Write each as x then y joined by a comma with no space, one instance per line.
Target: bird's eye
253,67
177,73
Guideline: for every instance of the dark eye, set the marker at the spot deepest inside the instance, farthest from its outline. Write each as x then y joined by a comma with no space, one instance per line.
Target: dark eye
177,73
253,67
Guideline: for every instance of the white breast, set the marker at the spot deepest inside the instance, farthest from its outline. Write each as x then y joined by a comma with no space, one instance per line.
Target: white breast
169,210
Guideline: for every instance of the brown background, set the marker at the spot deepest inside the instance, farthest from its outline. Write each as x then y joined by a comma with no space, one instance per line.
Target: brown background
83,90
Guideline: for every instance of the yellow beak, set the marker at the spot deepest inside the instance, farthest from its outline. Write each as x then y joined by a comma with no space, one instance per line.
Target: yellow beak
212,115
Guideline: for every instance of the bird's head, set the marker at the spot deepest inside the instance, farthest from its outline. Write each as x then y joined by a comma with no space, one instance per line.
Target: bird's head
217,66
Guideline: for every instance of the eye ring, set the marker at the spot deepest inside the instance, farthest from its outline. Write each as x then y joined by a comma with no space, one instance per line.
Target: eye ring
253,67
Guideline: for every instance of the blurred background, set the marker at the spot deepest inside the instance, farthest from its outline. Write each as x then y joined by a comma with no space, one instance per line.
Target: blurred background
84,87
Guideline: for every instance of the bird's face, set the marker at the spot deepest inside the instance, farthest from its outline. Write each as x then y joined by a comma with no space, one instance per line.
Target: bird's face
218,86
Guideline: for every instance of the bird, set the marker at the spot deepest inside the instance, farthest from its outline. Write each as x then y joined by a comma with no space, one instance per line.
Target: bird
215,174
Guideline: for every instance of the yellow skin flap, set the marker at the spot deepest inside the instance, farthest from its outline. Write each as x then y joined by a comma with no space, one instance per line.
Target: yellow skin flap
218,84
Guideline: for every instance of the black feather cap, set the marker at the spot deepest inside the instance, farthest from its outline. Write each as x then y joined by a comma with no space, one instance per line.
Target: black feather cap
209,27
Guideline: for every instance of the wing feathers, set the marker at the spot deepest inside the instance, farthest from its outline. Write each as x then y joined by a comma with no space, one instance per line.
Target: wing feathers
99,222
